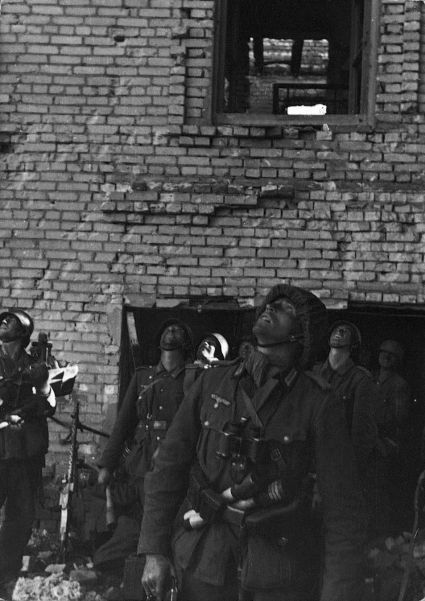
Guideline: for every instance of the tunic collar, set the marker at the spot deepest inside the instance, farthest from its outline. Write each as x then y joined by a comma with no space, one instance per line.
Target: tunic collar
160,370
341,369
260,369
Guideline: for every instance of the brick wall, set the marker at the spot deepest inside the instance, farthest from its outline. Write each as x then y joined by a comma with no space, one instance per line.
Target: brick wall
117,186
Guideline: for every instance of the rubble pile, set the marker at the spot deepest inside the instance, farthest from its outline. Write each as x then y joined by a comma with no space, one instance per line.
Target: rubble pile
42,579
391,560
50,588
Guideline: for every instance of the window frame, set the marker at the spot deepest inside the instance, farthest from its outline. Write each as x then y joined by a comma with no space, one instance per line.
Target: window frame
363,120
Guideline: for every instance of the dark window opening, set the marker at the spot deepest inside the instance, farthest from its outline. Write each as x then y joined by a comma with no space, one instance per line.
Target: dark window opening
295,57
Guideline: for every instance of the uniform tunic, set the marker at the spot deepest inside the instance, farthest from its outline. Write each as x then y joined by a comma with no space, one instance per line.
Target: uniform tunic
304,419
393,408
150,403
355,389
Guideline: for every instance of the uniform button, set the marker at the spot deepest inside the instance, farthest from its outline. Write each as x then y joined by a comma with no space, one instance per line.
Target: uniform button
282,541
160,407
286,439
207,423
161,390
150,377
158,438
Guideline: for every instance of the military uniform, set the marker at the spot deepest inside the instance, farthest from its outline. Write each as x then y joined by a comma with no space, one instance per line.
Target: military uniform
357,392
148,407
355,388
393,410
302,423
392,415
22,455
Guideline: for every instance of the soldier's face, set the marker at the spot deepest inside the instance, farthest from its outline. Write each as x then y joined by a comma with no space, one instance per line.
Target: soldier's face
276,322
173,336
340,337
10,328
206,350
245,349
387,359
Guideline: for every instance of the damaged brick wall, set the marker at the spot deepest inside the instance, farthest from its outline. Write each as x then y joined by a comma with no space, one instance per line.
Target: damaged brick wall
118,186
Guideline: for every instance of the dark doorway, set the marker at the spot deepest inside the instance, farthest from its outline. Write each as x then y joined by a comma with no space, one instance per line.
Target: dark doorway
376,322
141,325
403,323
406,324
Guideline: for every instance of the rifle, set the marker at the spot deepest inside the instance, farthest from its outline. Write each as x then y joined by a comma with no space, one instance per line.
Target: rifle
42,349
69,486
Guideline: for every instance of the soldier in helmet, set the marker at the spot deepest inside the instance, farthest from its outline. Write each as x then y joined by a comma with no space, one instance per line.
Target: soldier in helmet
392,414
356,391
213,347
26,401
151,400
227,504
394,392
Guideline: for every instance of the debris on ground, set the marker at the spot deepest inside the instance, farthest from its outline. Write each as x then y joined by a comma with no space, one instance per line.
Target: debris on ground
50,588
389,558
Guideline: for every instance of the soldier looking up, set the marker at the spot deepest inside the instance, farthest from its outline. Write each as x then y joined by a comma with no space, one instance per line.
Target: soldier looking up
392,415
213,347
356,391
227,504
26,401
394,391
353,386
151,400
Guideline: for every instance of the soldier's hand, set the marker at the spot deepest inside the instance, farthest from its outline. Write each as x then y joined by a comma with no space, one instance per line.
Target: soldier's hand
104,477
157,576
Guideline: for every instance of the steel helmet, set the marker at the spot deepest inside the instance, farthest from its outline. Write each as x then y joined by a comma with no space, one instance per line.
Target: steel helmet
188,342
223,345
356,337
311,315
24,319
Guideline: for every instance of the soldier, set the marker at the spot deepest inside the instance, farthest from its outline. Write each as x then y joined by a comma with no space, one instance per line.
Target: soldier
152,398
356,391
26,401
246,346
395,393
213,347
392,415
227,504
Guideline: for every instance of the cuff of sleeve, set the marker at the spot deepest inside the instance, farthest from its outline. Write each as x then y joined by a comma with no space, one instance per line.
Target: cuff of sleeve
149,547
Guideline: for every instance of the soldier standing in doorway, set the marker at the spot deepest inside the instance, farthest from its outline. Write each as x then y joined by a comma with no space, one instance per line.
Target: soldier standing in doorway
356,391
151,400
392,414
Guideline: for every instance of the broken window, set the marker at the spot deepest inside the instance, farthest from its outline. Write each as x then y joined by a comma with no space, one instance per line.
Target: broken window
305,58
